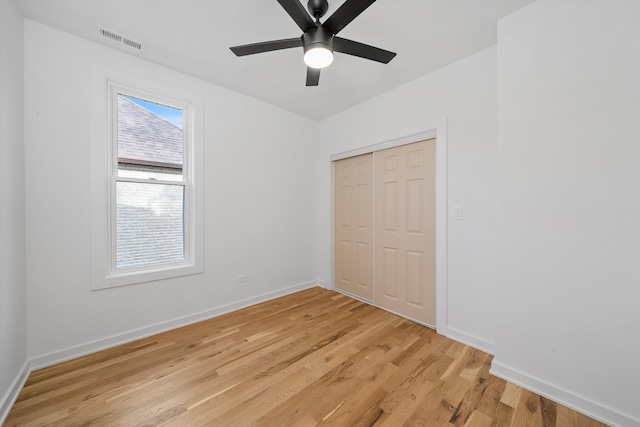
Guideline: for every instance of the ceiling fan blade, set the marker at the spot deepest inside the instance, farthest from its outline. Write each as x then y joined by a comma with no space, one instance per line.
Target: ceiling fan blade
250,49
362,50
313,76
345,14
297,12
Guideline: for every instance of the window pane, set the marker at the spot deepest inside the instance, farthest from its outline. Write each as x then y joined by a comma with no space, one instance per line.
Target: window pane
150,138
149,224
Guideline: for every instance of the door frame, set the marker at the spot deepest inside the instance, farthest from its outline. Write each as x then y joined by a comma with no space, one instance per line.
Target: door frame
439,132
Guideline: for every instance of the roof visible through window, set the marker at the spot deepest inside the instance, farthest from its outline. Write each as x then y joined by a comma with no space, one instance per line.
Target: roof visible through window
146,138
170,114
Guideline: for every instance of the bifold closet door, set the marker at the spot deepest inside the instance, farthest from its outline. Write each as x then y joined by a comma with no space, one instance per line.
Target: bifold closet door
353,225
404,182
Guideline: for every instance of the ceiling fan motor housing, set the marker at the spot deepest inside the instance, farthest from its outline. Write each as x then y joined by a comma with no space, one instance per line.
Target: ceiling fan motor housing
318,8
317,37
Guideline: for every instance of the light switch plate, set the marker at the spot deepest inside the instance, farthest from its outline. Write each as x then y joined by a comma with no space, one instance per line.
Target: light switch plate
457,212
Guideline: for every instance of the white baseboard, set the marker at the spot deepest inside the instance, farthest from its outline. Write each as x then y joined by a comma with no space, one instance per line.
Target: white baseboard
12,394
564,397
470,340
102,344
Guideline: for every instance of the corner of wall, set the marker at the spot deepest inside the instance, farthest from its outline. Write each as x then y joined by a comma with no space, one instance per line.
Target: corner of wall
14,367
14,390
564,397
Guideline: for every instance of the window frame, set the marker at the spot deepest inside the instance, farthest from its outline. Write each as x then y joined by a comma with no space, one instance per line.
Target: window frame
105,274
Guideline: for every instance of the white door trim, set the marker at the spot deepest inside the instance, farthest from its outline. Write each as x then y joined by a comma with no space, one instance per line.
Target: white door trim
439,132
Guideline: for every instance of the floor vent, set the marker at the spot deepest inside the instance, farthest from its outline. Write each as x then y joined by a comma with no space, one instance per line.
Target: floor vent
117,38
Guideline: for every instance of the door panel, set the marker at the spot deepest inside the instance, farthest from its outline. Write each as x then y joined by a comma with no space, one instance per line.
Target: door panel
364,264
345,270
363,211
389,285
404,182
389,202
415,264
353,227
414,206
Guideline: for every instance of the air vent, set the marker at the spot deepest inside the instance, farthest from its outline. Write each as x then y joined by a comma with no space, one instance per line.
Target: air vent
117,38
131,43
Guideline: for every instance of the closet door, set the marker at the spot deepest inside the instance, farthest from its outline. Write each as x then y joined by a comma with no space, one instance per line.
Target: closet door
353,226
404,181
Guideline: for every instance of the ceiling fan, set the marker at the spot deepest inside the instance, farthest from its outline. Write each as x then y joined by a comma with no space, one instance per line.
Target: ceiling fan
319,40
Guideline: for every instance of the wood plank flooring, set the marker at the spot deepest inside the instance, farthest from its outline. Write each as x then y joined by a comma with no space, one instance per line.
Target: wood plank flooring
316,357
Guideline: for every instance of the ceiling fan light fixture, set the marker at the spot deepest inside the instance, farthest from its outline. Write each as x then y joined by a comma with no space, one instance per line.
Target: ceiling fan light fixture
318,47
318,56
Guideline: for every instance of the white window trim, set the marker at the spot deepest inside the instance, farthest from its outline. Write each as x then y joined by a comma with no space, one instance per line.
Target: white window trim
104,159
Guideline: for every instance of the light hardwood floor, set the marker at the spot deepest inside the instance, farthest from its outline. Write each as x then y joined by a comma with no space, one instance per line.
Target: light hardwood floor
314,357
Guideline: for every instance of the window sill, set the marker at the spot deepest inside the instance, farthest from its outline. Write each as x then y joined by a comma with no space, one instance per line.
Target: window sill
149,275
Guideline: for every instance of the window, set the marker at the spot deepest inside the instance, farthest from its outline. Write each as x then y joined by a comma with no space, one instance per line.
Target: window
149,183
151,207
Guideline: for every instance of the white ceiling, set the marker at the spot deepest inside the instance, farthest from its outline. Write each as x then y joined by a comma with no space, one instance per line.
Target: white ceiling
194,36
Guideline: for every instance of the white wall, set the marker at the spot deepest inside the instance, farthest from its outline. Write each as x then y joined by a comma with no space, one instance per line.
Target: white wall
465,94
569,173
259,203
13,310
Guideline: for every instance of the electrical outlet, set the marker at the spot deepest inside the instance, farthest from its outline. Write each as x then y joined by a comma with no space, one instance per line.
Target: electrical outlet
243,278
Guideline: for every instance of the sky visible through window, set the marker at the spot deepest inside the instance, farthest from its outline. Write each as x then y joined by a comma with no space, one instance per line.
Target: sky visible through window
172,115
